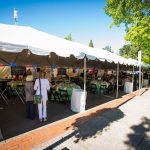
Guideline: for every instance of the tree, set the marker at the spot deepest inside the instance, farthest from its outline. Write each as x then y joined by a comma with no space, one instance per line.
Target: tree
135,14
68,37
91,44
129,51
108,48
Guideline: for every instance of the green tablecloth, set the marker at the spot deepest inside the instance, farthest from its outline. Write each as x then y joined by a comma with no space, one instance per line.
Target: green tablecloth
99,87
68,87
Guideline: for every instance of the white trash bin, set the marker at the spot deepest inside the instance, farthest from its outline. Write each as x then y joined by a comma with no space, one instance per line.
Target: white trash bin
128,87
78,100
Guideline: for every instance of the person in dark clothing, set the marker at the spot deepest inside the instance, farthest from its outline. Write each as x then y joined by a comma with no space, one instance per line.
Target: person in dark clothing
29,93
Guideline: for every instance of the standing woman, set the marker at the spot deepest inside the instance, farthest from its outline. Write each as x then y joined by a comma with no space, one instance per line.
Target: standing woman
29,93
45,86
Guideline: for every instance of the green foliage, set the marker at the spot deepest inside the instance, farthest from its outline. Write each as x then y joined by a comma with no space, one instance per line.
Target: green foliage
68,37
139,34
129,51
108,48
135,14
91,44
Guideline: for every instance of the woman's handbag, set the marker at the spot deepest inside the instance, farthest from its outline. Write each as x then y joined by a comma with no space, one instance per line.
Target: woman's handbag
37,98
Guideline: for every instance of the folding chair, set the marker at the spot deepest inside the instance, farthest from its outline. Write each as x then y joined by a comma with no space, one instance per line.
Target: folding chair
93,88
55,95
3,86
64,95
103,89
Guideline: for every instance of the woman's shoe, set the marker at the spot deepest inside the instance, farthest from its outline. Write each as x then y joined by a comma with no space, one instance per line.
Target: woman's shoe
40,120
45,119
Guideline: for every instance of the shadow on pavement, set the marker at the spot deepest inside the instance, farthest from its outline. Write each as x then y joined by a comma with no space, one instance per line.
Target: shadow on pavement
13,119
96,125
90,126
139,138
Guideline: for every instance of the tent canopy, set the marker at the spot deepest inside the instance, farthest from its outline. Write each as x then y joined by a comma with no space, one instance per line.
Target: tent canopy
17,38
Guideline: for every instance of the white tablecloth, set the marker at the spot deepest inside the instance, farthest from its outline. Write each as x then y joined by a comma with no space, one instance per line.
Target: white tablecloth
78,100
145,82
128,87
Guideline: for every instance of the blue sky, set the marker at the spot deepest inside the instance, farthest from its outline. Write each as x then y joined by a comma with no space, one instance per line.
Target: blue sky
84,19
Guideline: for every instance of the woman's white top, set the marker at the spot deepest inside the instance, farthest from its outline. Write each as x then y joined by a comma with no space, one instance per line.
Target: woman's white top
45,86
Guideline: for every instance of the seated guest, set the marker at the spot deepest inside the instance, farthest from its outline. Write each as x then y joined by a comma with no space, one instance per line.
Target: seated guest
112,80
16,78
127,79
48,75
28,72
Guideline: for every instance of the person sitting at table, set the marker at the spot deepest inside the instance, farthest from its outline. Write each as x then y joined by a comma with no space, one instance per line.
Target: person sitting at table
29,72
16,78
127,79
45,86
29,94
48,75
112,80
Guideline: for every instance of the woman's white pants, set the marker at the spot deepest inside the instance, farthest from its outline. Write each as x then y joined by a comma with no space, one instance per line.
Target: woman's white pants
42,108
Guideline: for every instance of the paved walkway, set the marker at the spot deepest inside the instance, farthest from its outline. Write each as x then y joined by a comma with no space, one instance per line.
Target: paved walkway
124,128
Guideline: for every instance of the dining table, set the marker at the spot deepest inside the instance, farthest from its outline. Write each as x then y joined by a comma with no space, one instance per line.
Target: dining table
100,85
68,87
17,89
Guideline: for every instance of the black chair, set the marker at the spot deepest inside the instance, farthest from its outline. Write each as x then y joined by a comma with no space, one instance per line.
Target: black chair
88,86
55,96
64,95
17,91
110,89
3,86
93,88
103,89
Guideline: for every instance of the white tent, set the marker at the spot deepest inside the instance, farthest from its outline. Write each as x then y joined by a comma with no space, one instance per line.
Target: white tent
16,38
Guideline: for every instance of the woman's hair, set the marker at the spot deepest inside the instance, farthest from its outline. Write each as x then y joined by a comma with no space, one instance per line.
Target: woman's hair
42,74
29,78
28,72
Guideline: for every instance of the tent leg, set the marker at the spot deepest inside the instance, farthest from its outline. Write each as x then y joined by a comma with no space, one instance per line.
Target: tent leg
84,73
117,80
139,76
142,78
133,80
148,79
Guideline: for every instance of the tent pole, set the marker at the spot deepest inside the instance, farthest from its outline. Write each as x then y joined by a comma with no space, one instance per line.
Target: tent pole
117,79
139,62
133,79
4,61
84,73
142,77
148,79
139,76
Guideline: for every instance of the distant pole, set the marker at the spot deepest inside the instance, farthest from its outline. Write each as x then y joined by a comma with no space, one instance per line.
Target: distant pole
133,79
148,79
117,79
139,62
15,16
85,73
142,73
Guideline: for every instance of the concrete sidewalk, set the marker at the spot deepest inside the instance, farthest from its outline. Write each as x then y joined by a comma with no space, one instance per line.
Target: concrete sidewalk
124,128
